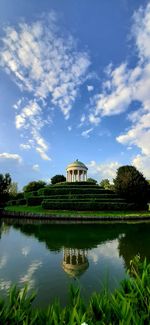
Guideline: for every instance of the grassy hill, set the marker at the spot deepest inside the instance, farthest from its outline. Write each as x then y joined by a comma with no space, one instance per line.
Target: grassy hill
81,196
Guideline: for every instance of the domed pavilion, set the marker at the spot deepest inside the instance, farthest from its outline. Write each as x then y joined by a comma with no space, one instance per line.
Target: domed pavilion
76,172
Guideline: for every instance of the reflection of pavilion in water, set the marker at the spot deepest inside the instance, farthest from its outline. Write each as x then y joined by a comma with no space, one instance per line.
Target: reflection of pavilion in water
75,261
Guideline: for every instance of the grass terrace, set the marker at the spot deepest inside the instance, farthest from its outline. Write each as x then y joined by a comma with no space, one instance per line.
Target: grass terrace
74,196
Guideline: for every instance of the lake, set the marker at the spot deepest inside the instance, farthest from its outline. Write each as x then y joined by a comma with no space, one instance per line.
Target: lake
50,257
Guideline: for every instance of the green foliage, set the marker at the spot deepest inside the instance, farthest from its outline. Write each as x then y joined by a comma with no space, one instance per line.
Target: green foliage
73,190
13,189
34,200
58,179
92,180
19,195
33,193
34,186
105,183
132,185
86,205
129,304
5,181
75,184
12,202
21,202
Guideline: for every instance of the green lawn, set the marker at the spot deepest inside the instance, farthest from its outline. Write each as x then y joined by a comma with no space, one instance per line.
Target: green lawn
115,214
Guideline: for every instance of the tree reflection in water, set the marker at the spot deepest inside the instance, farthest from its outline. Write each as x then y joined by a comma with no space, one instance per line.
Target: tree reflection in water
132,238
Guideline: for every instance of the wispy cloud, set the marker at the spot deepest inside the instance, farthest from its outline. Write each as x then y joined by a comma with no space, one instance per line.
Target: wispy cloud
10,156
28,278
86,133
124,86
36,167
25,146
48,66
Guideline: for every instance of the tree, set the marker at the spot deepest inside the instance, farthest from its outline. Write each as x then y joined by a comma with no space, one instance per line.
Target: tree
131,184
13,189
92,180
105,183
5,181
58,179
34,186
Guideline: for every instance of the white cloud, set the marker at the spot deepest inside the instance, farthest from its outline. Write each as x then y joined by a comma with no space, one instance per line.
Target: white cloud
25,146
94,119
102,171
42,153
3,261
25,250
48,65
106,250
124,86
36,167
142,163
86,133
10,156
90,88
28,278
69,128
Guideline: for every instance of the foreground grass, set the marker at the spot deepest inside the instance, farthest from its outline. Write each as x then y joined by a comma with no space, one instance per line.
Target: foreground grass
130,304
115,214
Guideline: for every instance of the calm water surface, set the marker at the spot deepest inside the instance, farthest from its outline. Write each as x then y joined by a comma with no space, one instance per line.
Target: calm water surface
49,257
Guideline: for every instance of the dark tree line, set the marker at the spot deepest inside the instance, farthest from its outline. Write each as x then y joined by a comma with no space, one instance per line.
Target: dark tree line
5,181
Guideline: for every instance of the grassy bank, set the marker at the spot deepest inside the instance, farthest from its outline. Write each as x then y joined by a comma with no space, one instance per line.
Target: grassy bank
127,305
115,214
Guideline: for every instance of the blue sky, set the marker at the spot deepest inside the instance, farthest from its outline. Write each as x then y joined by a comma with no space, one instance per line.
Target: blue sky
74,83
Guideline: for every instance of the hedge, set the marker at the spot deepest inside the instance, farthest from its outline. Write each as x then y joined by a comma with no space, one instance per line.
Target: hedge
12,202
74,199
87,206
30,194
35,200
19,196
64,184
82,196
72,190
21,202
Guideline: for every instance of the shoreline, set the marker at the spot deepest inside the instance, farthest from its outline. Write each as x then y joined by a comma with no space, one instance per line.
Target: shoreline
70,217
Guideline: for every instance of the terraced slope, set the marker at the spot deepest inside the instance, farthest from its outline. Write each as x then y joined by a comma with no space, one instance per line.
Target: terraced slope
74,196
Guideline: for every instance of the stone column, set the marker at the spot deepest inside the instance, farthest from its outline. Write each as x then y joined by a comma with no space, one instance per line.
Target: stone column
86,176
78,175
83,175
